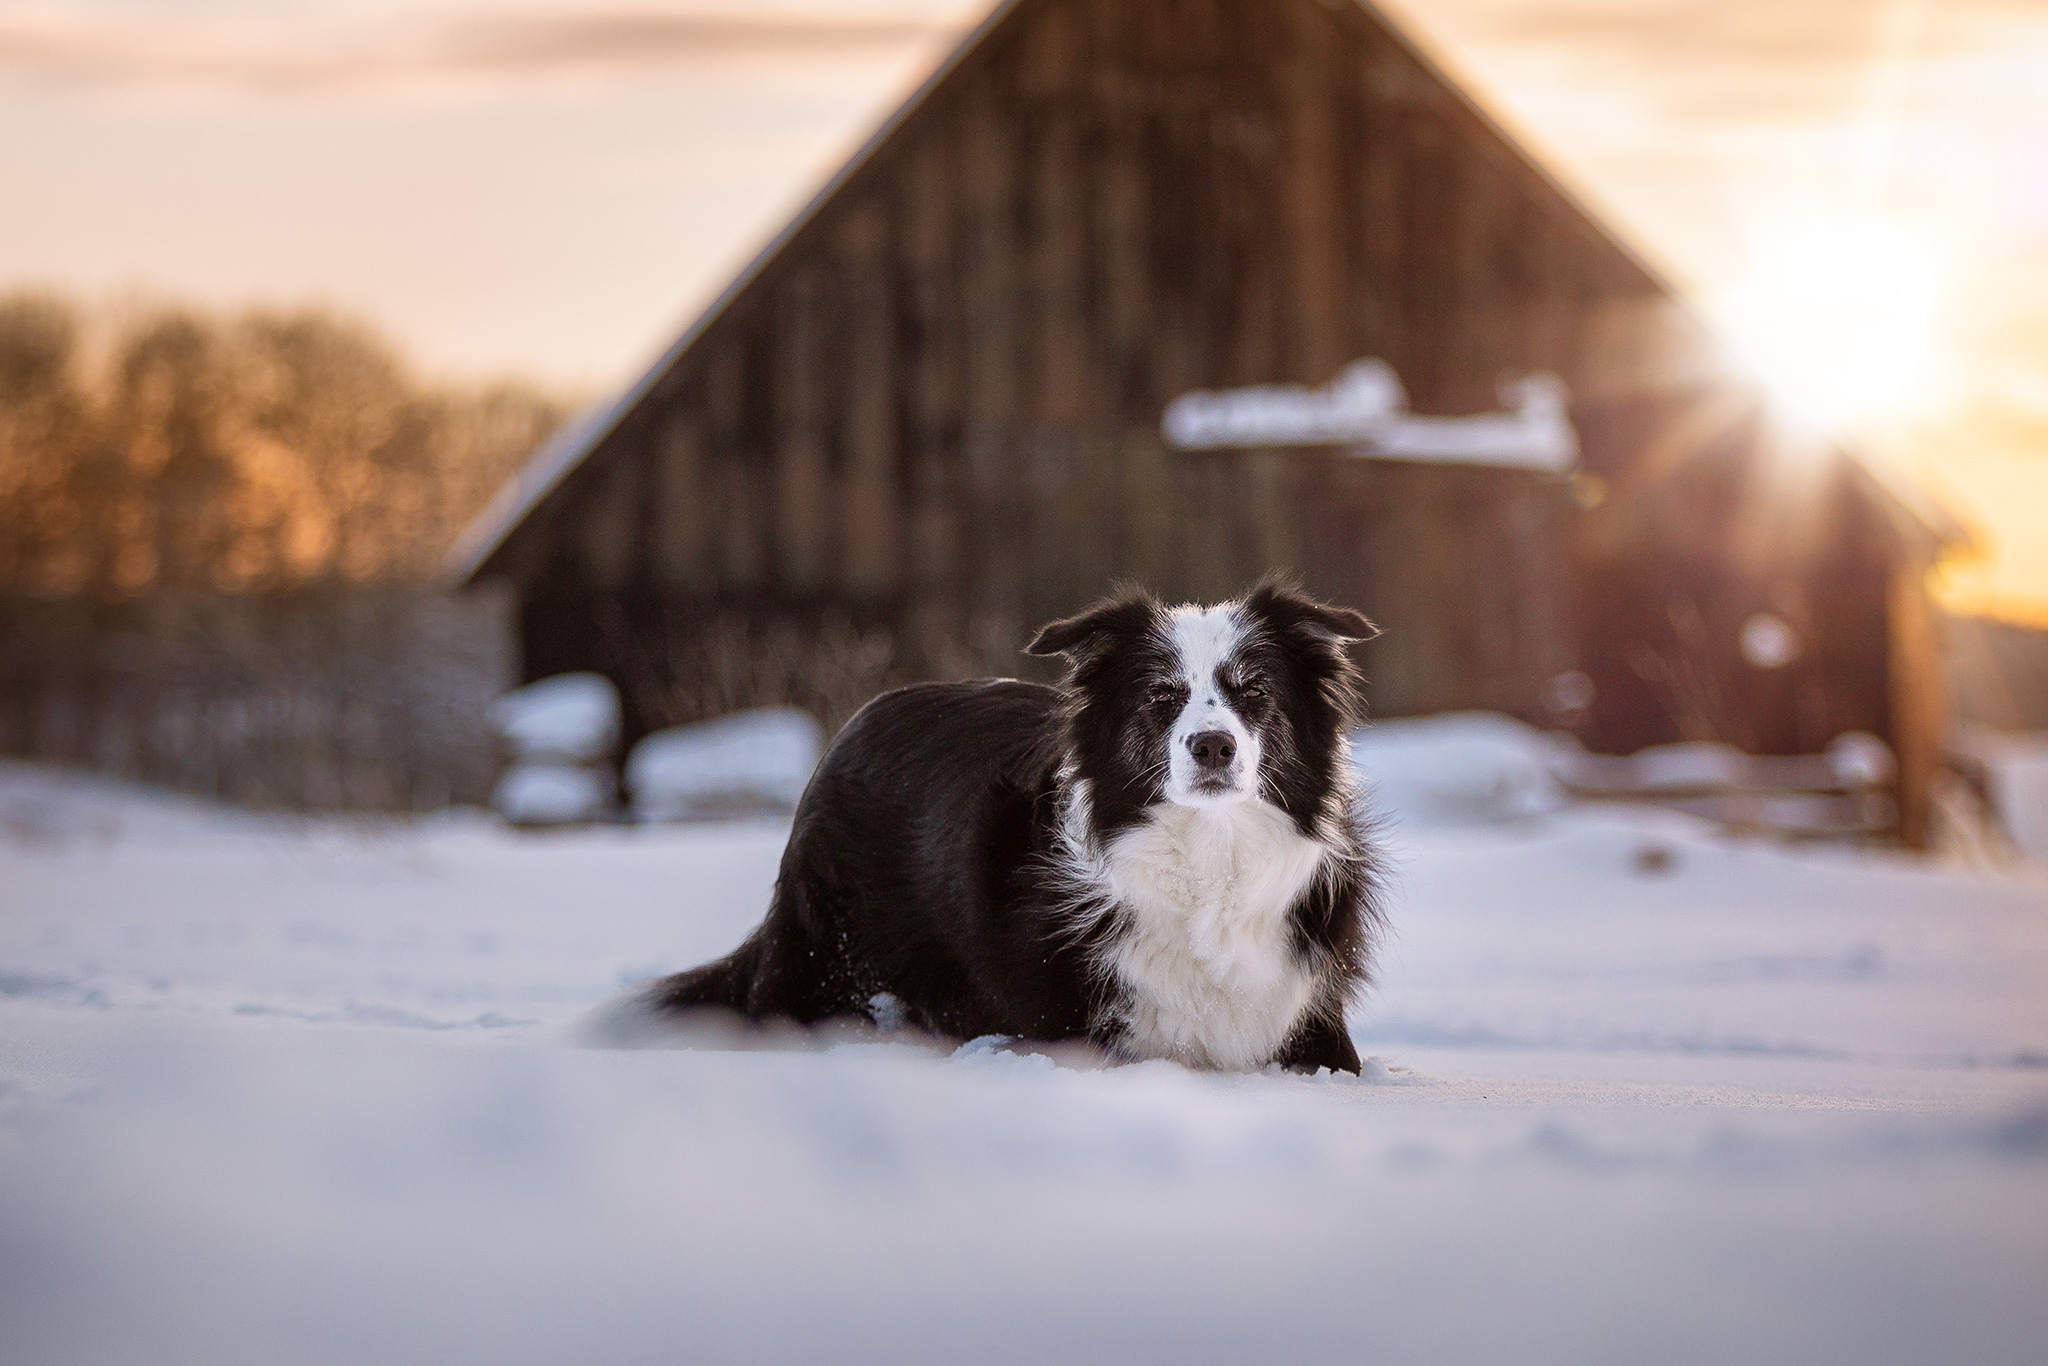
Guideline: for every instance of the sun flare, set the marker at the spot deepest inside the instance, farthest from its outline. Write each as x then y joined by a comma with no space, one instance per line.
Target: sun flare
1838,318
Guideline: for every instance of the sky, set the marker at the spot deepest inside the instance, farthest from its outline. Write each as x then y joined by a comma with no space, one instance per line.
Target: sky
1856,190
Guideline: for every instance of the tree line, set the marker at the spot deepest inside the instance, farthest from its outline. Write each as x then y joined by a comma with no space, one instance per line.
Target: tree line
221,539
184,451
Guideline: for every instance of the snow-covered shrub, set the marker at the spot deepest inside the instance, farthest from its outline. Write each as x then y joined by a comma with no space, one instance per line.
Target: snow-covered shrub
753,761
562,732
1468,768
545,793
2015,768
1859,759
2020,792
573,717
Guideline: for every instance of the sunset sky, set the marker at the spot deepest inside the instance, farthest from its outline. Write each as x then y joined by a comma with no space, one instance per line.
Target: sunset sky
1857,190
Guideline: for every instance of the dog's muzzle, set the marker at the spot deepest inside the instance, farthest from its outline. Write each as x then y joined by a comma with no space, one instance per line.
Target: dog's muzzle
1213,750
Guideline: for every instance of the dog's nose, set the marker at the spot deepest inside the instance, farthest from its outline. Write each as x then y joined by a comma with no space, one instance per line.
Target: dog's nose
1213,748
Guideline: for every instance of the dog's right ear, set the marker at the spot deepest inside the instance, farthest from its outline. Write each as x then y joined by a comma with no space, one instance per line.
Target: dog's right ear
1076,637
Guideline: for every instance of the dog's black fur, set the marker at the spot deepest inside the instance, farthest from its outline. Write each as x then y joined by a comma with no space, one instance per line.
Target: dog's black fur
940,854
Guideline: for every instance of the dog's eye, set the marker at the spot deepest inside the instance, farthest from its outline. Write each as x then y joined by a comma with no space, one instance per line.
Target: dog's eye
1166,695
1252,687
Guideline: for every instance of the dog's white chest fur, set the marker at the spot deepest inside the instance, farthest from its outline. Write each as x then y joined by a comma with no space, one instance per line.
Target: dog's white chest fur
1207,954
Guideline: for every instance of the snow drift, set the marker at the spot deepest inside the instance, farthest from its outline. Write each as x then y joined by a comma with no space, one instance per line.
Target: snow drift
751,762
561,733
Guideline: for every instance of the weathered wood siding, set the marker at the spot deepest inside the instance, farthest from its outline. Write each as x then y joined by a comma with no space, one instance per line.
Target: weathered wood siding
937,404
946,388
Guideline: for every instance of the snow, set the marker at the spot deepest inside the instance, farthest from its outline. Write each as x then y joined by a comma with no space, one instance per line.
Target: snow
551,794
1853,761
2022,790
1535,434
749,761
1478,768
1365,407
1860,759
1359,402
2016,766
561,732
573,717
288,1090
1463,768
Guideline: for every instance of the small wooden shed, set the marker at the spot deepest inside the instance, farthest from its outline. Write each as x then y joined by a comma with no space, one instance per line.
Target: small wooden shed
929,415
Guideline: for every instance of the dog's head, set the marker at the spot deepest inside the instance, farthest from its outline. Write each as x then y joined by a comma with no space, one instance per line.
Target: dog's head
1209,706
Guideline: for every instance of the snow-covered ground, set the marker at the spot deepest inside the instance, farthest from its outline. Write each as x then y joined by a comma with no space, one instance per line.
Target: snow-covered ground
297,1092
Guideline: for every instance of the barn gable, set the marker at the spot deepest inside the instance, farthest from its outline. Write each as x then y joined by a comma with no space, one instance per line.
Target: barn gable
930,412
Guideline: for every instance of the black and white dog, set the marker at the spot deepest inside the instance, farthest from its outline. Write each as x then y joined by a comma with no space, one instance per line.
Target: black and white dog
1163,858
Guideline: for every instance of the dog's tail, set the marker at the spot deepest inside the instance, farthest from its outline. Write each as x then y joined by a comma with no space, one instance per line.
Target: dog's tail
656,1014
720,985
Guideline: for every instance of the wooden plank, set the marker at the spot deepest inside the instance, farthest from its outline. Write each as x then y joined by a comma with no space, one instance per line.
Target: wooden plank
607,518
1919,699
1309,209
1146,542
1430,287
1122,310
1052,48
802,488
733,484
993,507
990,252
1267,503
1548,334
1056,378
1378,224
1247,150
1209,567
1181,259
927,290
869,435
933,218
679,536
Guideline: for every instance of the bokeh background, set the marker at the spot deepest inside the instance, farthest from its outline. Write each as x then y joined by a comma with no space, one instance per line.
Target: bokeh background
1856,189
288,292
1696,1054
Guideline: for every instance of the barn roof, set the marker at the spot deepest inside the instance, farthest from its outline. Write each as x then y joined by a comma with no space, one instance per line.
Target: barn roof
545,471
566,450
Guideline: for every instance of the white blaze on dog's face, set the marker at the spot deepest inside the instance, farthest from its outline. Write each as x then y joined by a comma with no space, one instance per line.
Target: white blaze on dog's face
1199,708
1212,753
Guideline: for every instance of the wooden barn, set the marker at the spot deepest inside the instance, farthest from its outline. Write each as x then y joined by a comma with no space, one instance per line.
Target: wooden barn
933,413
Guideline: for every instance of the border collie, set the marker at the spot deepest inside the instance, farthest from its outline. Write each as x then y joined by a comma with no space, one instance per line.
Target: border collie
1163,858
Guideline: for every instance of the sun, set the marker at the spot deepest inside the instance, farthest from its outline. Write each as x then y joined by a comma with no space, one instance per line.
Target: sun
1837,317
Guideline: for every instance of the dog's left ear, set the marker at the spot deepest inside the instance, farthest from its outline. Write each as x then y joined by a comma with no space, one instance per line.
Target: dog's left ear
1342,622
1282,601
1078,636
